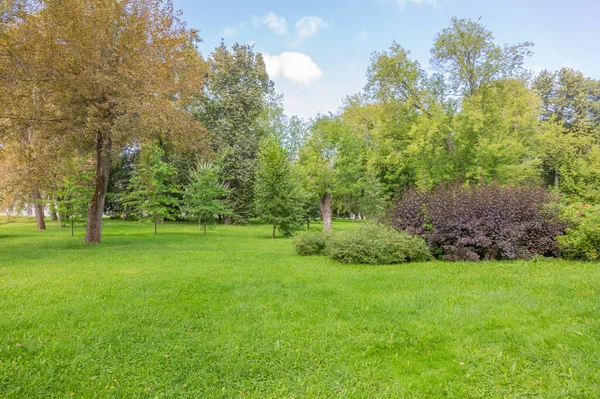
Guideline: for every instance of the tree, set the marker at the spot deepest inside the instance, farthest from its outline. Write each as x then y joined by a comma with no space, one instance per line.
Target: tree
151,192
74,188
466,54
123,72
571,99
235,97
203,196
330,165
277,200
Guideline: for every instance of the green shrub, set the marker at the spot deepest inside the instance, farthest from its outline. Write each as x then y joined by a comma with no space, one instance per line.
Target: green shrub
377,244
582,237
311,243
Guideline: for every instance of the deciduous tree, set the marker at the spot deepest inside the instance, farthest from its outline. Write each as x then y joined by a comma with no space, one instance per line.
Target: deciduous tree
114,73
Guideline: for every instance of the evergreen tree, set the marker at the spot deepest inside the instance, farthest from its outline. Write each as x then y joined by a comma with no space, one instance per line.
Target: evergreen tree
203,196
276,196
151,192
235,97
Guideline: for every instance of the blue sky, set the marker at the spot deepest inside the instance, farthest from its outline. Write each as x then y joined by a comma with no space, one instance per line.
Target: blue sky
318,51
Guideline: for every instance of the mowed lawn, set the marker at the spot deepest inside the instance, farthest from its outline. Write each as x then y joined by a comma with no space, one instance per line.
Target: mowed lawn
239,315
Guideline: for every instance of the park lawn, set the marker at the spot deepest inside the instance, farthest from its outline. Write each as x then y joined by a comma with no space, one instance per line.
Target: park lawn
240,315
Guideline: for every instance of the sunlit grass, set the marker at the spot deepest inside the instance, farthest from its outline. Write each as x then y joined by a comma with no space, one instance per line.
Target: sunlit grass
237,314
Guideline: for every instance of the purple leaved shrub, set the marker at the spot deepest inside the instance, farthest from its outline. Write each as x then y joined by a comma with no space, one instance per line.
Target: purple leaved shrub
481,222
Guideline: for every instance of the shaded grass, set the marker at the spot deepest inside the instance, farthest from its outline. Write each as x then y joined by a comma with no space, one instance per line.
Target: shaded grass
238,314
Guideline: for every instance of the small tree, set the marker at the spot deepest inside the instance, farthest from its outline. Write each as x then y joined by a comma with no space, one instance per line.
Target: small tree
275,192
151,192
203,197
74,193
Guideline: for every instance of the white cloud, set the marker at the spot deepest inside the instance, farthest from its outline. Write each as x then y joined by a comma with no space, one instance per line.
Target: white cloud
308,27
230,31
277,24
297,67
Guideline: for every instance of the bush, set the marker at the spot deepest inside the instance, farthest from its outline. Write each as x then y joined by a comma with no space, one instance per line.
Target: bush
377,244
311,243
582,238
481,222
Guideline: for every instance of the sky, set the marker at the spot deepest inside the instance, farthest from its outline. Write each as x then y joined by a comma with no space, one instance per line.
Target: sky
317,51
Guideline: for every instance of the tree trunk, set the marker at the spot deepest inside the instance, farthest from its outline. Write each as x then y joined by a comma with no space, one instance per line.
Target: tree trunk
205,228
325,208
39,211
53,214
155,222
226,220
274,229
93,232
308,223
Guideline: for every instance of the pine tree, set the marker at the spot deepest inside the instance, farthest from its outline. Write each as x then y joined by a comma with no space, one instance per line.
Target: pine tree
276,197
151,192
203,197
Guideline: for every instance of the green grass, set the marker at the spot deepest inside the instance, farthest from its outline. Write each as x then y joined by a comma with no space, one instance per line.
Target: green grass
238,314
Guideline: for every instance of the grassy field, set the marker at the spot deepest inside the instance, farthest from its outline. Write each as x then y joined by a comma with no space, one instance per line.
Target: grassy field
239,315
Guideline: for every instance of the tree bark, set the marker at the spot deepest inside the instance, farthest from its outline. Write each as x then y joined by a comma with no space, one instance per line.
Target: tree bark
53,214
155,222
226,220
39,211
205,228
325,208
274,230
93,232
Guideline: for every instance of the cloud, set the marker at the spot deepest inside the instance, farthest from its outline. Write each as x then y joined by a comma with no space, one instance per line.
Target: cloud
277,24
230,31
297,67
308,27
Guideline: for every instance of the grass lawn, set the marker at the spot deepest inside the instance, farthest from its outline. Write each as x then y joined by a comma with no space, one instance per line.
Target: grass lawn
239,315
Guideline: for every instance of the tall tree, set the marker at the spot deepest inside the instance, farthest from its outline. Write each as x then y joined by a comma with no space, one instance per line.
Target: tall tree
466,54
116,73
236,94
571,99
277,200
330,165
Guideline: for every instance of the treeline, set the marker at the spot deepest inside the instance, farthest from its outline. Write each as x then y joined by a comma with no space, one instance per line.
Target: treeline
119,114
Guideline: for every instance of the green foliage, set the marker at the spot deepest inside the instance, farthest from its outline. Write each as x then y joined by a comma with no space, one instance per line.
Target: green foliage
75,191
311,243
582,238
118,184
203,196
466,53
232,109
333,162
377,244
276,192
571,99
151,193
